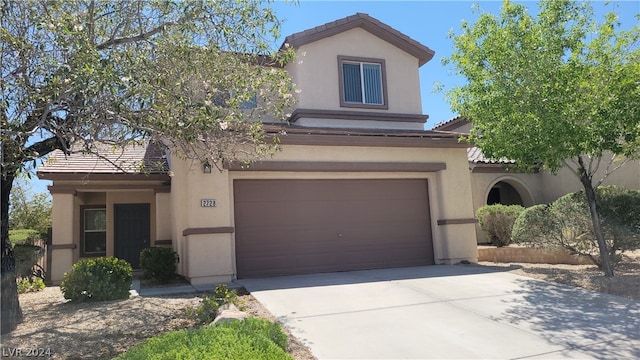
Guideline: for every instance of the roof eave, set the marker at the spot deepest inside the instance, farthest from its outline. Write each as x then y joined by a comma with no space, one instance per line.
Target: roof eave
423,53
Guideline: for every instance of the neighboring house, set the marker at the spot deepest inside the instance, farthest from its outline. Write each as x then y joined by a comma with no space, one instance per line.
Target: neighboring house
358,184
499,182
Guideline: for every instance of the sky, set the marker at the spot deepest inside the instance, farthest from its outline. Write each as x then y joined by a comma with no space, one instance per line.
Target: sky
428,22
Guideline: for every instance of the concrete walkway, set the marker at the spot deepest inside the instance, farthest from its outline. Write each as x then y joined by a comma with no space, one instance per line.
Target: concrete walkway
449,312
136,289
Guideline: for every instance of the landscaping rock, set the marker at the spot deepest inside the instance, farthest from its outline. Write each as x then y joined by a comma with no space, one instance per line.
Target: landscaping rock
229,312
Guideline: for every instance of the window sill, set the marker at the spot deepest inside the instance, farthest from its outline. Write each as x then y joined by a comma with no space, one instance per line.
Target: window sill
93,255
364,106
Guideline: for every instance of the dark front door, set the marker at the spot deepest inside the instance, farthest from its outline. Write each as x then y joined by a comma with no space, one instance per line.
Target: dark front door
132,231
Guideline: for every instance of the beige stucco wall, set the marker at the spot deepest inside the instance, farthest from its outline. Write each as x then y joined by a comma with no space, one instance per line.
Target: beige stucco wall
315,73
565,181
63,225
210,258
163,216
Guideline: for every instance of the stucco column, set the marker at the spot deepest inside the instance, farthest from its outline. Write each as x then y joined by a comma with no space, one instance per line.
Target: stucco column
62,240
456,221
163,216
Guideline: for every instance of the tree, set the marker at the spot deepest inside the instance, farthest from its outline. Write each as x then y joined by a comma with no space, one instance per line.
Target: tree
29,212
80,74
552,91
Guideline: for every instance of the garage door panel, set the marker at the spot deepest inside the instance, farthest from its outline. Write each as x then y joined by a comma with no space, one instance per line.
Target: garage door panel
305,226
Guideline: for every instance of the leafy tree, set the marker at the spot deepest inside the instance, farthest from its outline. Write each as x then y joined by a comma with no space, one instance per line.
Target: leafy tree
80,74
554,90
29,211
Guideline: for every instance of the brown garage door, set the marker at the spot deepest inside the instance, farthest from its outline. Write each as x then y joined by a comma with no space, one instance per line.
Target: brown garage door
305,226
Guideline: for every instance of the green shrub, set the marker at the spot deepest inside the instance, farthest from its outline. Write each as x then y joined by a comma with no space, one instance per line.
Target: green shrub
619,211
533,226
27,256
566,223
158,263
497,221
248,339
103,278
22,236
206,312
26,285
271,331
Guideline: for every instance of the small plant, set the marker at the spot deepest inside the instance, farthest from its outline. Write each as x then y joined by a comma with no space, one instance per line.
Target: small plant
223,295
102,278
248,339
33,284
207,311
497,221
158,263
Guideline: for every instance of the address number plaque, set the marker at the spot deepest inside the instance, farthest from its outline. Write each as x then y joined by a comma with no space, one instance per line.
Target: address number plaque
208,202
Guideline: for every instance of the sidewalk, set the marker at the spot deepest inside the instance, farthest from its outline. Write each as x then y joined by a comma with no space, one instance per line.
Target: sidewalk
136,289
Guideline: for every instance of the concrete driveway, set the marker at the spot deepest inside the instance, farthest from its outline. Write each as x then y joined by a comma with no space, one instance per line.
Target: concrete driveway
449,312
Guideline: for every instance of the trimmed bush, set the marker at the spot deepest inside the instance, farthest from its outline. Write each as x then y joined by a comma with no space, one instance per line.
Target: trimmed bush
533,226
22,236
158,263
497,221
98,279
251,338
26,285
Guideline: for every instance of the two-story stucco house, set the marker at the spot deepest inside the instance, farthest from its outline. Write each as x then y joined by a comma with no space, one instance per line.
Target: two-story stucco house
358,184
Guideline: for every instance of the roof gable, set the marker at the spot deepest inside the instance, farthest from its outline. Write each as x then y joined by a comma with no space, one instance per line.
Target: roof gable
366,22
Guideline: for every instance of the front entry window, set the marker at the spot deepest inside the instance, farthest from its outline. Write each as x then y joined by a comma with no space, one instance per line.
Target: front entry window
94,231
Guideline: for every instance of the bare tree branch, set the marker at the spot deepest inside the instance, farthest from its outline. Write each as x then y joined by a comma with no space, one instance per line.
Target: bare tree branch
144,36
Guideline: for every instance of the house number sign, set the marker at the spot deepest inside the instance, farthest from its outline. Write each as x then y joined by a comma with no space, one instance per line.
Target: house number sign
208,202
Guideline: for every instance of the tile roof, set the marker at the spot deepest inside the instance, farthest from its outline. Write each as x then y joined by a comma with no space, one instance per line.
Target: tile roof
476,156
368,23
132,159
450,124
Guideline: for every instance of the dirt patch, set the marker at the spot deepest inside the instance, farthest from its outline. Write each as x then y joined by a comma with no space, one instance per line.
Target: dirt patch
626,283
102,330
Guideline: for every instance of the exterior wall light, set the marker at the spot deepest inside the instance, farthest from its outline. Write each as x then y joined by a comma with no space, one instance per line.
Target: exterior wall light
206,167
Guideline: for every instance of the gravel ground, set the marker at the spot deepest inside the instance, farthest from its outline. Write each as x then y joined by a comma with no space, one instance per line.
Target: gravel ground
104,329
626,283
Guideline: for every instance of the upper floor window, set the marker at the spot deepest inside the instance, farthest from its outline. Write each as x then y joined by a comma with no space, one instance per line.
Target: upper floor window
362,82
